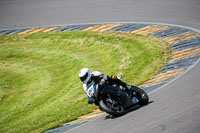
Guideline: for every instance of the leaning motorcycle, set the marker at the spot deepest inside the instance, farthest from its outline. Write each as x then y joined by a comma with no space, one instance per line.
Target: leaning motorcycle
111,104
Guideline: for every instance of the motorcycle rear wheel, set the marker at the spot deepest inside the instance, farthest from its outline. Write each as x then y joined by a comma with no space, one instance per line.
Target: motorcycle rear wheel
141,95
143,98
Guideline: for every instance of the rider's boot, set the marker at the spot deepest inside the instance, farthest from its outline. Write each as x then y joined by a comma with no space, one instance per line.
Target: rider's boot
129,88
138,91
126,86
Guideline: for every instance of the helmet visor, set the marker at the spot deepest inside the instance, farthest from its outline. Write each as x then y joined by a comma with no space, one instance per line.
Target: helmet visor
84,77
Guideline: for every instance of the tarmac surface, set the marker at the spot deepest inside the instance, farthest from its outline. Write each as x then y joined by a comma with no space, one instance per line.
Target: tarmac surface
39,13
175,107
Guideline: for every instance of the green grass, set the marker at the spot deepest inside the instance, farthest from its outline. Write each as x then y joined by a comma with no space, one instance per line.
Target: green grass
39,84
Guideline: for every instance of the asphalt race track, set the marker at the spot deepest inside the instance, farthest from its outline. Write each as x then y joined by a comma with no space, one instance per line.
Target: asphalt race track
175,107
39,13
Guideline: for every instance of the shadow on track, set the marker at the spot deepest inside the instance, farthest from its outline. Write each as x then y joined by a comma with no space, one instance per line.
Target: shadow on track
136,107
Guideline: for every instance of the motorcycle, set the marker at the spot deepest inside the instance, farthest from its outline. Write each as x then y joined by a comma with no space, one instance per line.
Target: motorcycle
112,104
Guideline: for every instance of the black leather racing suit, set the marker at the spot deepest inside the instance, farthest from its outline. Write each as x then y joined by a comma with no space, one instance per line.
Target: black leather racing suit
99,78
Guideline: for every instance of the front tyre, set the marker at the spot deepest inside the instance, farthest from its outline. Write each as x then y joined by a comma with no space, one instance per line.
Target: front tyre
117,111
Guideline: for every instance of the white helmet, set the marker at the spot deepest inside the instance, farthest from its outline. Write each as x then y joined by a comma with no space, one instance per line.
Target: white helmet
85,75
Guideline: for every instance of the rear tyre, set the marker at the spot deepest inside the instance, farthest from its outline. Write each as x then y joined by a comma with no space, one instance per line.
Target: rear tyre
143,97
140,94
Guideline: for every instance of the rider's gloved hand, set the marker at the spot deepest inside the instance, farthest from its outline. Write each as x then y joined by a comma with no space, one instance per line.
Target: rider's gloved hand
102,82
90,100
104,79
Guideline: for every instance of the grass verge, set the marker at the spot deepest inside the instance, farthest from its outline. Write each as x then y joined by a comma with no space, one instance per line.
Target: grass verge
39,84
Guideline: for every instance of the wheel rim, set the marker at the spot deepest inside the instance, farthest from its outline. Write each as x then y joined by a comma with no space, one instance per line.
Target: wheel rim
112,104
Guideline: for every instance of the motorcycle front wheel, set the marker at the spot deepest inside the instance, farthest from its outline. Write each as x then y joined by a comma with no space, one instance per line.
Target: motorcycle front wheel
111,108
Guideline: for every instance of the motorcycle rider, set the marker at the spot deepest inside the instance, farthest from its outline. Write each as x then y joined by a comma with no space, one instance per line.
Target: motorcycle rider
87,77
